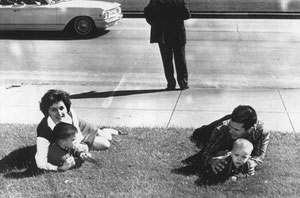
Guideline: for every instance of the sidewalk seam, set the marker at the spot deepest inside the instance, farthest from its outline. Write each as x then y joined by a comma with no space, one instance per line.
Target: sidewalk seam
238,32
281,98
173,111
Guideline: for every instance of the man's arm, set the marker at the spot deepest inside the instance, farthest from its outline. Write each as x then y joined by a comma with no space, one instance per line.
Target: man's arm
260,143
212,148
213,145
185,12
152,13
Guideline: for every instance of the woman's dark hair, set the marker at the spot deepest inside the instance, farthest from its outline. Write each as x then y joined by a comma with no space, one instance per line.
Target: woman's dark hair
63,131
244,114
54,96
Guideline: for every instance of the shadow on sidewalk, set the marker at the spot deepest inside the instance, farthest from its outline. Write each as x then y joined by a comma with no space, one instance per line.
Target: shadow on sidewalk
48,35
20,163
106,94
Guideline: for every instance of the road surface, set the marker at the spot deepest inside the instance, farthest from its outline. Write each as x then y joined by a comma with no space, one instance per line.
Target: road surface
233,53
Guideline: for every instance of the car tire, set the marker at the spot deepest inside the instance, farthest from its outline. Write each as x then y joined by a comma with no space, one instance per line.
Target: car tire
83,26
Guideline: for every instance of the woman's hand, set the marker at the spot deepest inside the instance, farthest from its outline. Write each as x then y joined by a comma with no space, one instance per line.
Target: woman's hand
69,163
217,164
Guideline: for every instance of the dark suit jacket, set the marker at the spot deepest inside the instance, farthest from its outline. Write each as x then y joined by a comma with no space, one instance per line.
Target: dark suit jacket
166,19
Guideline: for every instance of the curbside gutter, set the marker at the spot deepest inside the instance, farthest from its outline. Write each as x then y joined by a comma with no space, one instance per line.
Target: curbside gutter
228,15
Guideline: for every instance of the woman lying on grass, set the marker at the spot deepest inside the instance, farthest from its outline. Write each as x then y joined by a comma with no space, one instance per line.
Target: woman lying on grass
56,107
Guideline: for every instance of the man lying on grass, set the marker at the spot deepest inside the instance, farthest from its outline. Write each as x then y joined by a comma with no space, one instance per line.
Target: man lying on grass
242,123
236,167
66,149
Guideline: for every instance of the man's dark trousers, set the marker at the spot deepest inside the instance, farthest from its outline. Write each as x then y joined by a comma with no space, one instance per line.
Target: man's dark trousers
167,51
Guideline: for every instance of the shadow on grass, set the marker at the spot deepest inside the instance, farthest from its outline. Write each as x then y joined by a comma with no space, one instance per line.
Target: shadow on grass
50,35
20,163
93,94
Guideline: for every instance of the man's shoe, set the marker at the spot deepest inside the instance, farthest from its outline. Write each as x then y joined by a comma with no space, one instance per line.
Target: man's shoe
184,87
170,88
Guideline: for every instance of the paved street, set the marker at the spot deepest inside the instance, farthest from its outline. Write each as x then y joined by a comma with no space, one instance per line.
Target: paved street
116,78
220,53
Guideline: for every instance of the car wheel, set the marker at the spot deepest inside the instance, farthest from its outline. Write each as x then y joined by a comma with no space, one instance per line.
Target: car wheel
83,26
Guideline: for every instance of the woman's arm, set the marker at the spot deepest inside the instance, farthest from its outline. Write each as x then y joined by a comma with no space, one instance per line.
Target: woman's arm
42,145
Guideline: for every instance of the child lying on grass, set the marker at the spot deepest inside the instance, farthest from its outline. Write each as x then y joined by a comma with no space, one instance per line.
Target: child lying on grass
65,152
236,166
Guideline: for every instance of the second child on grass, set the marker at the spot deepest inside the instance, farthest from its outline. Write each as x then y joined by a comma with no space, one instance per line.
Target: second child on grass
65,148
236,166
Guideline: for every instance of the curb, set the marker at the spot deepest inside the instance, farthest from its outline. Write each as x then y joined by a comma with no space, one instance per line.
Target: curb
228,15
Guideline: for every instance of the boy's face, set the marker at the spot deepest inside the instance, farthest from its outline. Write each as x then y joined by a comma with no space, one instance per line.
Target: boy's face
240,156
68,143
236,130
58,111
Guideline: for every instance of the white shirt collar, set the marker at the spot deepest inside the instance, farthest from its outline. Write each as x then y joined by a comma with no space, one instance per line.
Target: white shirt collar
51,123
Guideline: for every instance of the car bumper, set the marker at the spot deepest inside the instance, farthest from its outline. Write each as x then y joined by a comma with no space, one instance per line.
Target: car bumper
103,24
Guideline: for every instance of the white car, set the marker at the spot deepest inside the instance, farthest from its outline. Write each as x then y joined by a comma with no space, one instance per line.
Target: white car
82,16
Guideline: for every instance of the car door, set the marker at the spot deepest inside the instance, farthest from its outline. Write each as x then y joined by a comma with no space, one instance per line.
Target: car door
6,17
35,17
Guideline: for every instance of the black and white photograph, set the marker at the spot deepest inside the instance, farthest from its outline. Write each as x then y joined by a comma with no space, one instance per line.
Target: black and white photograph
149,98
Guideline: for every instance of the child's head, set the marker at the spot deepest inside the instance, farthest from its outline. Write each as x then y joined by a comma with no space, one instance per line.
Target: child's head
64,134
243,118
241,152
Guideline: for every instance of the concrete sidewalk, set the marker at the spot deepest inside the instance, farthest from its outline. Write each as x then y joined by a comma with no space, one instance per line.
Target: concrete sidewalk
278,108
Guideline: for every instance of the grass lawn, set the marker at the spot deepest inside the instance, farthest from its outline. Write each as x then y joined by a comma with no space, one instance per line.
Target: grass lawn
138,165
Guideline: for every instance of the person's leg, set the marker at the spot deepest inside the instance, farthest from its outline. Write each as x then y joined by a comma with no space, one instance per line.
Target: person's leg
167,59
89,132
109,130
87,127
195,165
192,159
94,137
181,67
104,133
100,143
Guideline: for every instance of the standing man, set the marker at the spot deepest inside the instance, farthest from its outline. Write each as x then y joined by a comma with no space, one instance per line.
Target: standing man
166,18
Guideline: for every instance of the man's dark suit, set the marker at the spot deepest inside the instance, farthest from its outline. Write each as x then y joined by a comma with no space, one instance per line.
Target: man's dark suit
166,18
